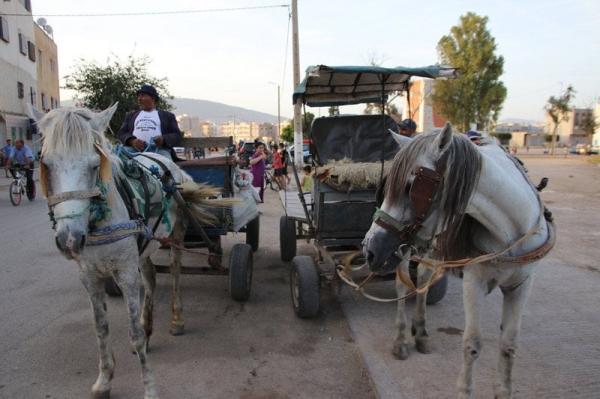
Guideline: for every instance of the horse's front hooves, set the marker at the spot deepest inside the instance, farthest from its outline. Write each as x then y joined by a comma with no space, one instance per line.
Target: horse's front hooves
100,395
400,351
176,329
423,345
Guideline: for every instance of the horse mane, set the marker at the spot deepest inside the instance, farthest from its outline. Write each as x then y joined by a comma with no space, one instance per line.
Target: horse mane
67,131
463,167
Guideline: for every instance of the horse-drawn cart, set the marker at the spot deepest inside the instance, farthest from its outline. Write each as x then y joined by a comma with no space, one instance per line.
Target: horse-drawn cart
217,171
350,154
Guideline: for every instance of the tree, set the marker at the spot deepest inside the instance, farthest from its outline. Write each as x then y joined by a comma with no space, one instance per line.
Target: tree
334,110
99,86
477,94
287,133
589,124
558,110
307,123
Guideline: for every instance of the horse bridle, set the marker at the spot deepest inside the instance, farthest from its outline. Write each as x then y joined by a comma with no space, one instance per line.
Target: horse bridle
423,191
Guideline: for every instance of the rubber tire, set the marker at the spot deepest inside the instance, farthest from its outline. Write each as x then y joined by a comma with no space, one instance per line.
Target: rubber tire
253,233
287,238
111,288
304,287
437,292
240,272
16,201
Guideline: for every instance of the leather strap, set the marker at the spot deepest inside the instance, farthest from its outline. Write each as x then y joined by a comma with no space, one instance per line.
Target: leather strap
72,195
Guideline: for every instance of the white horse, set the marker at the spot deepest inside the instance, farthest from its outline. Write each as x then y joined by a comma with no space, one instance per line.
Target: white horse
78,175
446,196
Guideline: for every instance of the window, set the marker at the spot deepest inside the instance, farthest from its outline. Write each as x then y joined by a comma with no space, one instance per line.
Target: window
22,44
4,29
28,5
20,90
52,65
31,48
39,57
32,95
44,102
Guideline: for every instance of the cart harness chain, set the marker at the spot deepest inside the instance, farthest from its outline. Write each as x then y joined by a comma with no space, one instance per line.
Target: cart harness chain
422,193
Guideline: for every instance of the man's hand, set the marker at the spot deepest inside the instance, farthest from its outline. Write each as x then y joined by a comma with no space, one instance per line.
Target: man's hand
137,144
159,141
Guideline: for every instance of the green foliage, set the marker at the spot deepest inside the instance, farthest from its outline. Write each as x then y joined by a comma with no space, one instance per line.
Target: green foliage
558,109
99,86
590,124
307,121
334,110
548,138
477,94
287,133
375,108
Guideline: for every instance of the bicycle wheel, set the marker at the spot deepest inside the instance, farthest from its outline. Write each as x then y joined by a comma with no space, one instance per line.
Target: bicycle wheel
15,193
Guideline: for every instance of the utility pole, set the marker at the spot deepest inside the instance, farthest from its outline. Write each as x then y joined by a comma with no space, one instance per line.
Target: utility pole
297,111
278,114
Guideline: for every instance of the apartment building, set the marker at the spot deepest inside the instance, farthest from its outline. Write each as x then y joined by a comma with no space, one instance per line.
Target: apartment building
571,132
47,67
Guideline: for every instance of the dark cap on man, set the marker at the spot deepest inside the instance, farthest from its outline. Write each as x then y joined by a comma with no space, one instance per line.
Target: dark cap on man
473,135
149,90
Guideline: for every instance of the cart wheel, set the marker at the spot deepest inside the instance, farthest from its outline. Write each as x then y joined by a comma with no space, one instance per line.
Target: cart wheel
240,272
111,288
437,292
15,193
253,233
304,284
287,238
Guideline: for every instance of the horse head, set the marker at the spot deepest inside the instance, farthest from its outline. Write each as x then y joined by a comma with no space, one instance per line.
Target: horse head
74,169
422,197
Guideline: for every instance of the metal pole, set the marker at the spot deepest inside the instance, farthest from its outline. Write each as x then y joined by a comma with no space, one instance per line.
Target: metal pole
278,114
297,112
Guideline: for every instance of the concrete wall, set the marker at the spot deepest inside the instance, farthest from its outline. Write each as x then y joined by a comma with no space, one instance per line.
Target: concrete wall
16,67
47,71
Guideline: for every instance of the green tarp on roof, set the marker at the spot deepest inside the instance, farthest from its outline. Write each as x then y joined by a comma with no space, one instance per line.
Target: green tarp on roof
343,85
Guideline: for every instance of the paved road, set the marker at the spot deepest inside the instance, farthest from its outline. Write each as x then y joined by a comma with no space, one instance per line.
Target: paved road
559,355
254,351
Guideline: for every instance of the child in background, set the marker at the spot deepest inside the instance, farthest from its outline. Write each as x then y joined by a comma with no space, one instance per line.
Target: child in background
307,180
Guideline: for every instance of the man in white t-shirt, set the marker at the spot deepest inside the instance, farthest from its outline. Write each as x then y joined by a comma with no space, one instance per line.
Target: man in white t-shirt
150,126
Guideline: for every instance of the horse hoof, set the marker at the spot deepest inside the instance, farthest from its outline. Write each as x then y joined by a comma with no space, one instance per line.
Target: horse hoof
176,330
423,345
400,351
100,395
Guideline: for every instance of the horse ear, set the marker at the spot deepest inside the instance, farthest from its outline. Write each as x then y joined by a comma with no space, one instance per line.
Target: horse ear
400,139
44,179
101,120
105,169
444,138
34,113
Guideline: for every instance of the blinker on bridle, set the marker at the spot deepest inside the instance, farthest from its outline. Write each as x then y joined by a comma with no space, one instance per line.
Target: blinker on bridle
423,191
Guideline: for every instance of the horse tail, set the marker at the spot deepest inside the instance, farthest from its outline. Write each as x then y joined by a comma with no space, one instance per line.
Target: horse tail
204,201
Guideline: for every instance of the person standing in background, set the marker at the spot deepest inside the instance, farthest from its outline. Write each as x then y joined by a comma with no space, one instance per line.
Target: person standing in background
257,166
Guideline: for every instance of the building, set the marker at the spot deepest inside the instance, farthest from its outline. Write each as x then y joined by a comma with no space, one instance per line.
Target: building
18,70
240,131
571,131
422,109
47,67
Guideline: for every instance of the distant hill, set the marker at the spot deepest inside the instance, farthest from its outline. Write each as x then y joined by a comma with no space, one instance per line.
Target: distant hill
213,111
216,112
520,121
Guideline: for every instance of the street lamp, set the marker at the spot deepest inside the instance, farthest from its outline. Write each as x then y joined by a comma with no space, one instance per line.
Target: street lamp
278,111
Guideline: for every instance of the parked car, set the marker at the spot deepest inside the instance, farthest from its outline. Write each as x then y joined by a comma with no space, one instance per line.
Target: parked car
581,149
306,155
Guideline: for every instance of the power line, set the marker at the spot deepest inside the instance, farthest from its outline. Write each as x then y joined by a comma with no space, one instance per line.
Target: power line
285,57
148,13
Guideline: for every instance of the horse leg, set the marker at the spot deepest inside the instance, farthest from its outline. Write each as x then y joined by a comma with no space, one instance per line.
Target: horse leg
473,293
149,280
400,349
95,288
419,317
512,310
177,323
129,282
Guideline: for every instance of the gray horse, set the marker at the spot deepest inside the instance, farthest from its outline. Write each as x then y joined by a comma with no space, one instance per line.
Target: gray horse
466,200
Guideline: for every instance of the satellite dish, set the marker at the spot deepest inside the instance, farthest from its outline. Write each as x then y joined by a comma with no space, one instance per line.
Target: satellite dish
49,29
42,22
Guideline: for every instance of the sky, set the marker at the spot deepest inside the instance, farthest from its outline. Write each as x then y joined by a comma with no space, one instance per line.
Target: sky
238,57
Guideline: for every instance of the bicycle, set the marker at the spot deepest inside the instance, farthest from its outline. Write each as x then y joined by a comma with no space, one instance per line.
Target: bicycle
18,187
271,181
